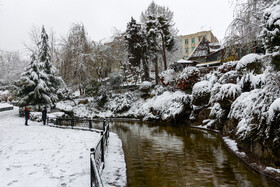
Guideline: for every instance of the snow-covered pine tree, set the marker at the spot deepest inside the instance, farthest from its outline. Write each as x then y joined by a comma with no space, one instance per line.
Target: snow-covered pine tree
136,47
158,20
271,32
39,83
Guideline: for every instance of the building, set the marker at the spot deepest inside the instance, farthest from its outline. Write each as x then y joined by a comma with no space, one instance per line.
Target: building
190,42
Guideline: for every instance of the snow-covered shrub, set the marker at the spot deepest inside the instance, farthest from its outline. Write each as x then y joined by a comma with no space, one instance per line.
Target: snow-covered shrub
161,107
225,94
226,67
168,77
145,86
250,62
201,93
188,77
217,112
116,79
120,102
229,77
159,89
274,112
91,87
250,81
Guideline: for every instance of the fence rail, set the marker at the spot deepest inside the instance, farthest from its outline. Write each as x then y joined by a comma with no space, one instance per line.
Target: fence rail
97,153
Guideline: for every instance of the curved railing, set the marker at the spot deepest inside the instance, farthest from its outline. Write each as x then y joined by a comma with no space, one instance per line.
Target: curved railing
97,153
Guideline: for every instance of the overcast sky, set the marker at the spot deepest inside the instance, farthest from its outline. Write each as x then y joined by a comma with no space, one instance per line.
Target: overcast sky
100,17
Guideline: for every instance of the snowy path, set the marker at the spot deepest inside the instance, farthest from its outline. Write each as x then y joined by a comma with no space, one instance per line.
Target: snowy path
44,156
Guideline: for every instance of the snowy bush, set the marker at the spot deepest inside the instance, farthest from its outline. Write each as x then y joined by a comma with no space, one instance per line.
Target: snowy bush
116,79
217,112
168,77
229,77
229,91
161,107
250,62
145,86
274,111
120,102
188,77
228,66
250,81
201,93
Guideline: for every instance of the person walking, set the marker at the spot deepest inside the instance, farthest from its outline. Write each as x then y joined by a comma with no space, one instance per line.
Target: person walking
27,115
44,115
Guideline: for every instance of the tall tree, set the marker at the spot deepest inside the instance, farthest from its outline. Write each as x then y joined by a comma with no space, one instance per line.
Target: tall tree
76,56
39,83
245,28
136,47
159,20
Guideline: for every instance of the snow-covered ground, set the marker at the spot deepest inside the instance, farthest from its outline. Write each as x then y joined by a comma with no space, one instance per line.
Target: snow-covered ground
44,156
4,105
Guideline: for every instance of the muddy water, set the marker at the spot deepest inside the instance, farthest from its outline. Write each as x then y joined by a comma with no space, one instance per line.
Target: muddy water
180,156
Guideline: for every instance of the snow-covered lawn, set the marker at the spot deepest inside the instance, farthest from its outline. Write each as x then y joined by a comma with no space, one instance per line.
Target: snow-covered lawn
44,156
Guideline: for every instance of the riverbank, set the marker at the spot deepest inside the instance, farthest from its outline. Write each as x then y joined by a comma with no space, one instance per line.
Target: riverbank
37,155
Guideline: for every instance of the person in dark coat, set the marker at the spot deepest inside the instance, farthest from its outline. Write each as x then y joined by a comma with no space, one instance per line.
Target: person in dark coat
44,115
27,115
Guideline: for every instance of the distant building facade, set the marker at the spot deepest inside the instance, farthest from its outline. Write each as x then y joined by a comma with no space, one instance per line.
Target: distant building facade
190,42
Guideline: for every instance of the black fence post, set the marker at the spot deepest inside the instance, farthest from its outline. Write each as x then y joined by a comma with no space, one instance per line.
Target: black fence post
90,123
92,176
104,125
102,149
72,122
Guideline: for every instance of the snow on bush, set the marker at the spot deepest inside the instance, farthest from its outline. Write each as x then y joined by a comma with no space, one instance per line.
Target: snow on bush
164,106
242,107
201,88
228,66
120,102
246,60
168,77
250,81
228,91
217,112
229,77
188,77
274,111
201,92
145,86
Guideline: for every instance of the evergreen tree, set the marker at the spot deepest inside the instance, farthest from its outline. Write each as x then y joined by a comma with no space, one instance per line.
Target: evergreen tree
158,21
39,84
271,32
136,47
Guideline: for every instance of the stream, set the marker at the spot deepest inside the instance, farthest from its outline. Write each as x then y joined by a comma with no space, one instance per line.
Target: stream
167,156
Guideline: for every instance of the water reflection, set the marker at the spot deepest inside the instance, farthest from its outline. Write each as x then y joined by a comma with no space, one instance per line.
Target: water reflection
167,156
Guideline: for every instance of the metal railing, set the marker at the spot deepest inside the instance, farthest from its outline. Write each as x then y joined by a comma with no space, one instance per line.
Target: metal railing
97,153
97,157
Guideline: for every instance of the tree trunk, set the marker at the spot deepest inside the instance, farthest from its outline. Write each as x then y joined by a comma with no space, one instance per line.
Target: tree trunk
146,69
156,70
163,52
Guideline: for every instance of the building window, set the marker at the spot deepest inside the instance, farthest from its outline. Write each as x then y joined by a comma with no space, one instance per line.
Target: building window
186,41
199,38
186,50
193,48
193,40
